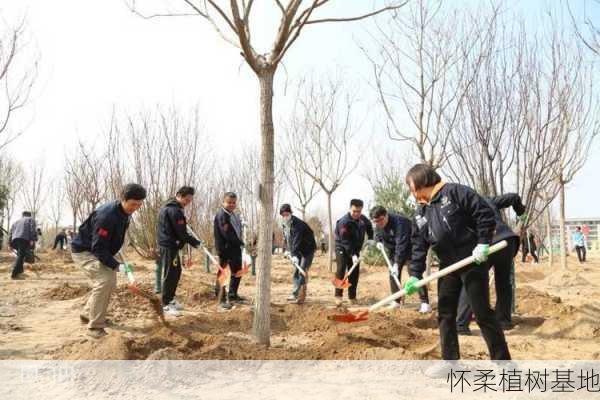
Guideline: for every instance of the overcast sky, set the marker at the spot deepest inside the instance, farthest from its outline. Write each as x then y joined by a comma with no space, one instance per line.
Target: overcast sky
96,55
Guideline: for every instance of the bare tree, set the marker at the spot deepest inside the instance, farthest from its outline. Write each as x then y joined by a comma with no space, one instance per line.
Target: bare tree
587,30
17,77
11,180
303,188
320,135
35,190
422,69
57,203
233,23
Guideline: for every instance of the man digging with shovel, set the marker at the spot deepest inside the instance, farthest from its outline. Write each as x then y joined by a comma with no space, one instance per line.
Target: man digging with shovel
172,236
393,231
350,233
98,239
456,223
301,246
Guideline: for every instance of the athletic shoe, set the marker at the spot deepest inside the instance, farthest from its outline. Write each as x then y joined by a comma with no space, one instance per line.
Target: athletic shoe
170,310
225,306
176,304
96,333
425,308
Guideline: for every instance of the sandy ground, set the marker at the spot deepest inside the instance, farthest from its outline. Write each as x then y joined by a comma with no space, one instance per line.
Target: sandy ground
558,317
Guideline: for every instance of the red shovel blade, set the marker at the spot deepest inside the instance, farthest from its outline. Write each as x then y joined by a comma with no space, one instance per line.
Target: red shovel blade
222,275
133,289
243,271
341,283
349,317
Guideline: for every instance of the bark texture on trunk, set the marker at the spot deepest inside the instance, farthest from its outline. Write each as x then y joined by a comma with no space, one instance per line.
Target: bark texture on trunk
563,244
549,236
261,326
330,248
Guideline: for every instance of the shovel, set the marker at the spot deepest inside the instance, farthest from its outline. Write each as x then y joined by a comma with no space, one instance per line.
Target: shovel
343,283
381,248
299,268
364,315
133,288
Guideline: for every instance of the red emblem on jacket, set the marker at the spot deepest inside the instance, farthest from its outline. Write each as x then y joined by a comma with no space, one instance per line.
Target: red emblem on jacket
181,222
103,232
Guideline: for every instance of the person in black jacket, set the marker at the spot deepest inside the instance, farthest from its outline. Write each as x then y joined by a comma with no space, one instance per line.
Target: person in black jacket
456,223
172,236
98,240
394,231
503,263
350,233
228,241
529,246
60,240
301,244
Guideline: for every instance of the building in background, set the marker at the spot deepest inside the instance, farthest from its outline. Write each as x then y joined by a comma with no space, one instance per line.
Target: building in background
589,226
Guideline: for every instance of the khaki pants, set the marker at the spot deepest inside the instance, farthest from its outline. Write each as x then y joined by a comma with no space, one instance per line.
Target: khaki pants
104,281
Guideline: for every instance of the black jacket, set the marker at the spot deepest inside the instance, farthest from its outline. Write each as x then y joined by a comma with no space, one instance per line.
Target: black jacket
350,234
395,236
103,233
172,227
503,231
227,240
302,239
453,223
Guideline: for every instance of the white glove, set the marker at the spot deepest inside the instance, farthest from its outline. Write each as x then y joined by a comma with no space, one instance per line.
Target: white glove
121,268
481,253
286,254
371,242
354,259
395,269
295,260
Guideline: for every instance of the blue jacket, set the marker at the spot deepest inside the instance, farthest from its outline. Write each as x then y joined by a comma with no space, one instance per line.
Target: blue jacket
172,227
23,229
350,234
452,224
395,236
103,233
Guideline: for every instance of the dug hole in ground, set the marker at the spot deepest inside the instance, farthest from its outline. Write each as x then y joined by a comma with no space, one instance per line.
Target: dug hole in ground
558,317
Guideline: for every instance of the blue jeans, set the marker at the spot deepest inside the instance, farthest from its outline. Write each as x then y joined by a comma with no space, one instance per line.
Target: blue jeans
299,280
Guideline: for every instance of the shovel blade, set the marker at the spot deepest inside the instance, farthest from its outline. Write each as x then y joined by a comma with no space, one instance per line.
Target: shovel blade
242,271
341,283
349,317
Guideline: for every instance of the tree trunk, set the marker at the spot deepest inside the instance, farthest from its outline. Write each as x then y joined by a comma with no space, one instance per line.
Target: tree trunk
261,325
563,245
331,246
549,236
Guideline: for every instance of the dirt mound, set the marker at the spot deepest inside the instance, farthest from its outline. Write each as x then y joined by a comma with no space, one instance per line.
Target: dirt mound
566,279
112,347
67,291
528,274
126,305
533,302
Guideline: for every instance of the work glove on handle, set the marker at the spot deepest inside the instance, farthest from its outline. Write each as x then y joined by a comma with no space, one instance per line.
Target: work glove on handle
286,254
354,259
127,268
481,253
409,286
395,270
295,260
523,218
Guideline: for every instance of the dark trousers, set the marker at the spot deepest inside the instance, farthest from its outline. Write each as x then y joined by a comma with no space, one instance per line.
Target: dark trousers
22,247
502,262
533,252
581,252
171,272
475,280
344,263
299,280
60,242
232,260
423,294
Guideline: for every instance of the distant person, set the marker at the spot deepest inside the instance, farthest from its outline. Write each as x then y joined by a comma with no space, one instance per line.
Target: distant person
579,242
172,236
323,244
22,238
60,240
529,246
99,239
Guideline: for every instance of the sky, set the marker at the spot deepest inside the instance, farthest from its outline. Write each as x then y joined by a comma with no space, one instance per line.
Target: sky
96,56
